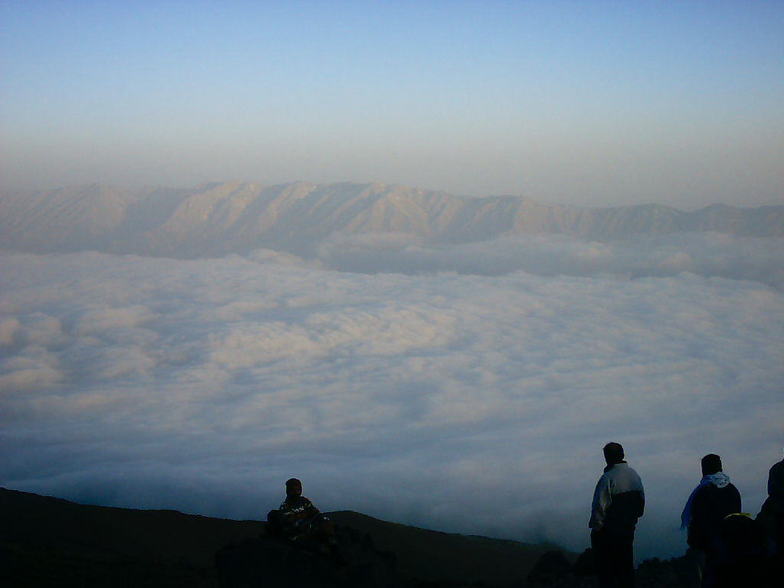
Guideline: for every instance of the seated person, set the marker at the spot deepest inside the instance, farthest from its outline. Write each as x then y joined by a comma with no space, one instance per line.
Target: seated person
298,519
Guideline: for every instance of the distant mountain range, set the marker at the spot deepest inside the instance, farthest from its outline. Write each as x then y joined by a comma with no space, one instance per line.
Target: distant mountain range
221,218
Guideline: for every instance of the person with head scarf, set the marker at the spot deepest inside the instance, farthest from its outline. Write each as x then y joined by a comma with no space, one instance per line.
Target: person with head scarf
714,498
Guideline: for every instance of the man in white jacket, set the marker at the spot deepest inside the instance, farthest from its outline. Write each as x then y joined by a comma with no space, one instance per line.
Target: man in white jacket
618,501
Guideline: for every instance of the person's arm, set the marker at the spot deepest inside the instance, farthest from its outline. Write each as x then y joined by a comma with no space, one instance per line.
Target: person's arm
601,502
738,503
696,535
294,511
311,510
642,500
776,483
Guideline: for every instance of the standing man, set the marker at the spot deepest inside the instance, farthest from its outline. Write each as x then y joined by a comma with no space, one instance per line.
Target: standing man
618,501
775,503
714,498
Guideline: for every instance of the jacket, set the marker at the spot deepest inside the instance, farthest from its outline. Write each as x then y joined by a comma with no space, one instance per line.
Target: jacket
618,500
710,505
297,509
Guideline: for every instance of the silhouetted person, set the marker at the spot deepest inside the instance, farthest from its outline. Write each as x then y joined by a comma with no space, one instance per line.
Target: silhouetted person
772,514
776,497
710,502
618,501
743,559
298,519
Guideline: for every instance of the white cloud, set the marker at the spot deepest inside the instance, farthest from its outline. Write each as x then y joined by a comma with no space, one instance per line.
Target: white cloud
101,320
8,331
202,385
35,369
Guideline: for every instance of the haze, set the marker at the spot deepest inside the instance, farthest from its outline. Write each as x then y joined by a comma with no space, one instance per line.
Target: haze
575,102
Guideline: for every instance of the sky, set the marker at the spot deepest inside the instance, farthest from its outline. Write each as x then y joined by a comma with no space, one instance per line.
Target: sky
591,103
443,397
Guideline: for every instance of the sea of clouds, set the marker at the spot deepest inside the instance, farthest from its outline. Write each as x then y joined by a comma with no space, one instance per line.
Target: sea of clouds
471,391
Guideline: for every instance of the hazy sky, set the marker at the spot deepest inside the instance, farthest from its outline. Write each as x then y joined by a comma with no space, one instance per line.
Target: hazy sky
579,102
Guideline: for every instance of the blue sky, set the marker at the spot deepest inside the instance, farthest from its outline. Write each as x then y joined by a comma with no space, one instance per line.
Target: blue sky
577,102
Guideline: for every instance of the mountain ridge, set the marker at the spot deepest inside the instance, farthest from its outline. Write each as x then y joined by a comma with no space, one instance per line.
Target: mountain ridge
220,218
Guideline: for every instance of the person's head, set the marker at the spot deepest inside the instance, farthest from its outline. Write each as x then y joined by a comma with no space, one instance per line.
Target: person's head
293,487
613,453
711,464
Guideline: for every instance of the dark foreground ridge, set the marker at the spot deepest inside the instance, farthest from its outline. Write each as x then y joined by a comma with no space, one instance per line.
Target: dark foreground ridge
52,542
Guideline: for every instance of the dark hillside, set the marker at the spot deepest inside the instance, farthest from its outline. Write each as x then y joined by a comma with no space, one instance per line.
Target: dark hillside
446,557
48,542
52,542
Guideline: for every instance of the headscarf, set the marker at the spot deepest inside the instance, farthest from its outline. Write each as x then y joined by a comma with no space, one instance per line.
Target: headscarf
719,479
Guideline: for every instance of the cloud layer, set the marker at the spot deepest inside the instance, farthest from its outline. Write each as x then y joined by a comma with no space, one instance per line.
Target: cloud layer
706,253
471,403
